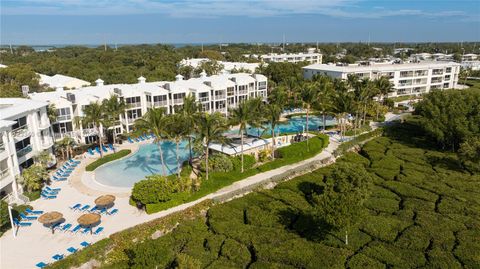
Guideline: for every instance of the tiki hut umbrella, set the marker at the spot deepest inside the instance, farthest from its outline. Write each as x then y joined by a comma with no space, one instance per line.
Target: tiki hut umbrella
50,218
89,219
105,200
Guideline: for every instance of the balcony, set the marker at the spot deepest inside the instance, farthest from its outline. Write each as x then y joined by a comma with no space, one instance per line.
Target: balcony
47,144
220,97
24,151
177,101
203,99
21,132
67,117
160,103
2,146
4,173
437,72
44,125
134,105
242,92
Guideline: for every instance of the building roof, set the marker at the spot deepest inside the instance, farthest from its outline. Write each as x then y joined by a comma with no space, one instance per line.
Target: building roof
6,123
11,107
283,55
380,66
57,81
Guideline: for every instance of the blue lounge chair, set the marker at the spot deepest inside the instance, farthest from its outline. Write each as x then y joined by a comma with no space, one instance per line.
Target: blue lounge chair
57,257
47,196
104,148
63,173
41,265
141,138
70,165
72,250
93,209
130,140
103,211
98,150
147,136
85,244
65,227
110,146
75,207
74,161
52,189
21,223
76,229
54,177
46,191
86,230
98,231
113,212
90,151
137,140
25,217
85,207
33,212
56,225
66,169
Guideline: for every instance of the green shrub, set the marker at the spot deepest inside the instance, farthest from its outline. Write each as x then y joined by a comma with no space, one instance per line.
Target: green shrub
394,256
107,158
385,205
442,259
354,158
218,163
154,189
413,238
469,248
248,162
408,190
235,252
383,227
361,261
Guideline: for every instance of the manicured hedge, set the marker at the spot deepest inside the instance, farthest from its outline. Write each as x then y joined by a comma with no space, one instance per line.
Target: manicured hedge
107,158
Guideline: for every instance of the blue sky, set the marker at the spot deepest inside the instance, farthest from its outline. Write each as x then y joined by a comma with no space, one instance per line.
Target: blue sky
209,21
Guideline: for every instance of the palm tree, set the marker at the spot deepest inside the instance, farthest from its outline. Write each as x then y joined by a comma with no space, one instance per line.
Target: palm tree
324,102
114,107
309,96
210,128
176,128
342,103
153,122
189,109
52,113
246,113
384,87
95,115
43,158
272,113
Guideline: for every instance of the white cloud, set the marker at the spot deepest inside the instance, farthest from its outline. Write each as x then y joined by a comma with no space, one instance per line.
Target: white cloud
209,8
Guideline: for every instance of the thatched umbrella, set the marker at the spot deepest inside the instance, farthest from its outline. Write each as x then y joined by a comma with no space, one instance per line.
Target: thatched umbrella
105,200
50,218
89,219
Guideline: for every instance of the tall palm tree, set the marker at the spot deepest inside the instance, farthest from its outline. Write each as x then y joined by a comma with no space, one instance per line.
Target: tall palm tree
324,102
189,109
210,128
114,107
95,115
176,128
343,103
153,122
308,96
272,112
246,113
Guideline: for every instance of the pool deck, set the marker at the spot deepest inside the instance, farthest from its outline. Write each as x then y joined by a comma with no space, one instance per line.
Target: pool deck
36,244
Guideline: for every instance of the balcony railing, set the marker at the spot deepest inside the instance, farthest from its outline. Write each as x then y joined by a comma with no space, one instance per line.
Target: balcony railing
160,103
220,97
134,105
243,92
47,143
203,99
21,131
177,101
64,117
4,173
24,151
2,146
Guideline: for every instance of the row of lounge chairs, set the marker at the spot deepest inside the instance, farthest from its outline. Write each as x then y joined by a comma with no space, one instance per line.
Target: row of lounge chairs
143,137
58,257
26,217
94,209
65,227
64,172
104,149
49,193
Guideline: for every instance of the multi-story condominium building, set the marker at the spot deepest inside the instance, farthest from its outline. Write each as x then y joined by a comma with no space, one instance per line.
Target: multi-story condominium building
410,78
311,56
227,66
24,132
215,93
469,57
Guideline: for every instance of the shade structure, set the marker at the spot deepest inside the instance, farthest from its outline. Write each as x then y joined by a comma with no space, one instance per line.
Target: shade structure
50,218
88,219
105,200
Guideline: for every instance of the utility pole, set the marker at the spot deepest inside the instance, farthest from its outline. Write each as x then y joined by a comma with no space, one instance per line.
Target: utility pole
11,50
11,220
283,42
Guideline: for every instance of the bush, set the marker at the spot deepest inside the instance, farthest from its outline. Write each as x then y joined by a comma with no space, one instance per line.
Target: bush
264,155
362,261
107,158
154,189
248,162
218,163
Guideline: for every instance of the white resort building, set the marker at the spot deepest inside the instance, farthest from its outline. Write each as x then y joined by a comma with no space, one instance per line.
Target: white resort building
311,56
24,132
62,81
214,93
407,79
227,66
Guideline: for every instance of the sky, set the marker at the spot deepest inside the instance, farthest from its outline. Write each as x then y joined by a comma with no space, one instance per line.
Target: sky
46,22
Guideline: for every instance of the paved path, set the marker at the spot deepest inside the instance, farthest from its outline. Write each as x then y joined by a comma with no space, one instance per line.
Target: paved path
36,243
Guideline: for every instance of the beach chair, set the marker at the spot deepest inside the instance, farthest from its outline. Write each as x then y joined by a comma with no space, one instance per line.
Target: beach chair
54,177
52,189
93,209
130,140
33,212
62,173
148,136
66,169
137,140
113,212
90,151
70,165
58,257
74,161
49,192
72,250
110,146
21,223
104,148
85,207
56,225
141,138
98,231
25,217
103,211
75,207
65,227
97,149
41,265
85,244
48,196
76,229
86,230
153,135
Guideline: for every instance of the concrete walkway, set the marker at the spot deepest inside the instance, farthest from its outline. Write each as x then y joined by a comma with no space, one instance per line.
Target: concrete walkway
36,243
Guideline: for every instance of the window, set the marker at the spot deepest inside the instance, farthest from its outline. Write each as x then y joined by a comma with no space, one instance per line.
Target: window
63,114
230,91
62,127
133,101
203,97
149,98
262,85
20,122
448,70
22,144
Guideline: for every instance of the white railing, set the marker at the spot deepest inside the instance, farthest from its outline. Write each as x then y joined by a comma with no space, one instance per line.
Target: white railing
2,146
4,173
24,151
66,117
134,105
20,199
203,99
177,101
160,103
21,131
47,144
220,97
243,92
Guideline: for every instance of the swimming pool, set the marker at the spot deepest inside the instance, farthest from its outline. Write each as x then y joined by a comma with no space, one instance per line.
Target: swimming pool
146,161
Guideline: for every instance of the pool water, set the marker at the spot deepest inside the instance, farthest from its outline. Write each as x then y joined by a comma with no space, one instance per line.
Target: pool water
146,161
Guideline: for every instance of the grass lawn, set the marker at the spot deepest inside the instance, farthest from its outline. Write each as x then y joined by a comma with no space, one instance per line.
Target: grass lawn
423,212
217,180
108,158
